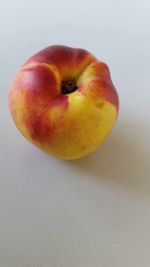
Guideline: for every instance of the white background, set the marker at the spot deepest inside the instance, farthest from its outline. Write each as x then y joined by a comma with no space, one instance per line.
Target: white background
94,211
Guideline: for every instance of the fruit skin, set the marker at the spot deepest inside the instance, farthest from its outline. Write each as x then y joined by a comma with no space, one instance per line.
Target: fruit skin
68,126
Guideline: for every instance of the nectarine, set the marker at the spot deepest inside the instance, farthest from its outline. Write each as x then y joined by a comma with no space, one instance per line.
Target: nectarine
63,100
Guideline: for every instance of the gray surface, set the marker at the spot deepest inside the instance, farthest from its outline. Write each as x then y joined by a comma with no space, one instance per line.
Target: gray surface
94,211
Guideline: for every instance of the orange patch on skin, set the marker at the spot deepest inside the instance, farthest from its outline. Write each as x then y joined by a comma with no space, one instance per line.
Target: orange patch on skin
101,89
95,82
100,104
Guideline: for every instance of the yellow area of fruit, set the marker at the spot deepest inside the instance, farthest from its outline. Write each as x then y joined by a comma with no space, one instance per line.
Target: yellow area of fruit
83,127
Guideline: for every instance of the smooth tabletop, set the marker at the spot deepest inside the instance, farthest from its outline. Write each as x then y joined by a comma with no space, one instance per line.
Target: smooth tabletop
95,211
